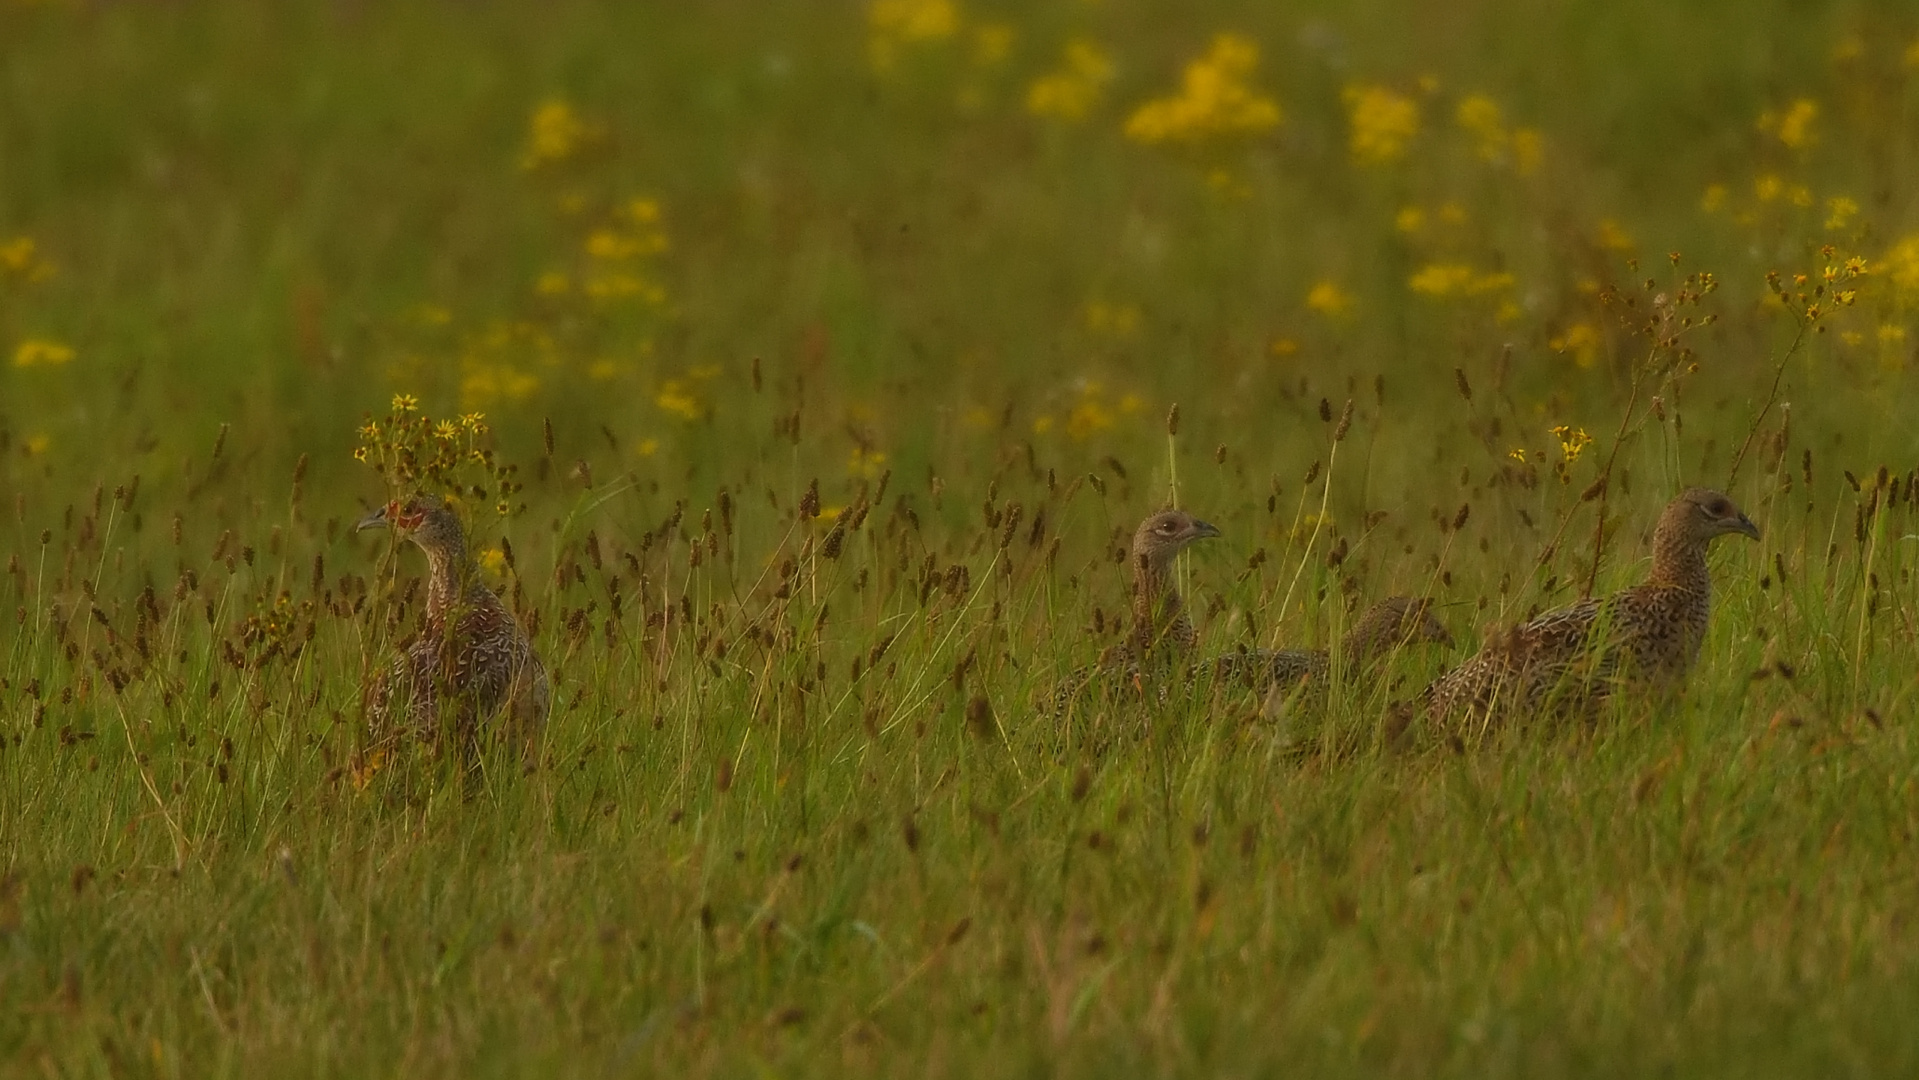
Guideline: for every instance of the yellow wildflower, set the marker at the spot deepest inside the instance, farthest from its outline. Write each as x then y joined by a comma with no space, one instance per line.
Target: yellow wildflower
1111,320
1517,453
20,258
893,23
1528,147
1456,279
1766,187
676,398
555,134
991,43
1410,219
1482,117
1572,441
37,352
553,283
1329,300
1581,340
648,447
1610,236
1839,211
1071,92
1793,128
493,561
1383,121
1902,265
405,403
866,464
1214,100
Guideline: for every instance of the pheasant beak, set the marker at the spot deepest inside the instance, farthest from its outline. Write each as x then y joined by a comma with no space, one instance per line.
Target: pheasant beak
1744,527
376,520
1203,530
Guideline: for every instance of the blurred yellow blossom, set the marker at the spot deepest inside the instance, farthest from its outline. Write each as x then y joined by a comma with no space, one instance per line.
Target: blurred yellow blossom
1214,99
1410,219
1383,121
1840,211
1329,300
20,259
1283,347
555,133
493,561
1110,320
1793,127
1612,237
1902,266
483,383
992,42
676,397
553,283
1581,340
893,23
1456,279
39,352
37,444
1072,91
1713,199
866,464
1482,118
648,447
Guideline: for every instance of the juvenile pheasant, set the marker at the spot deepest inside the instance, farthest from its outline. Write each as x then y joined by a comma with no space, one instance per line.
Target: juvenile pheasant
1161,632
1394,621
1645,637
471,662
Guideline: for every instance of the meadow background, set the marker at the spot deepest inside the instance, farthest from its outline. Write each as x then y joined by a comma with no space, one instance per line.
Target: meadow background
834,347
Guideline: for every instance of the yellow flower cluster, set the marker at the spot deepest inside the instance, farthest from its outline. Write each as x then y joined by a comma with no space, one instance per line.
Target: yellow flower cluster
1329,300
1091,413
892,24
491,363
1214,100
1383,121
1793,127
1572,442
1902,266
555,134
680,396
38,352
1482,118
1581,340
20,260
1440,280
614,252
1109,319
1072,91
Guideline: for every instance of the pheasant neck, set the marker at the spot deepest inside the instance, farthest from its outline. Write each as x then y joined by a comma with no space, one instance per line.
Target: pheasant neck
450,573
1679,561
1158,612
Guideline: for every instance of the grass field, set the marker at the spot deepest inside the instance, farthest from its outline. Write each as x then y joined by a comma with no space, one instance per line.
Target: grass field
837,347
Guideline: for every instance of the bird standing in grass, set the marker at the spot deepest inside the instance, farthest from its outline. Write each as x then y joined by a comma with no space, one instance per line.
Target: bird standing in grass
1161,633
1573,659
471,663
1394,621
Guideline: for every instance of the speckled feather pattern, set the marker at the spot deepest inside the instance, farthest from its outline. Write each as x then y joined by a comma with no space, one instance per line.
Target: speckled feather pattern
1382,628
1646,638
1162,634
470,664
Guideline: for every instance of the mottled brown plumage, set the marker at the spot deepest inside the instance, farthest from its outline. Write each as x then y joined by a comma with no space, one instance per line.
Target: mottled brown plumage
471,662
1161,633
1394,621
1573,659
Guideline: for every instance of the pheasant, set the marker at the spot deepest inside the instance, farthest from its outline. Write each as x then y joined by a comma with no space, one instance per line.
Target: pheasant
471,662
1647,636
1161,631
1394,621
